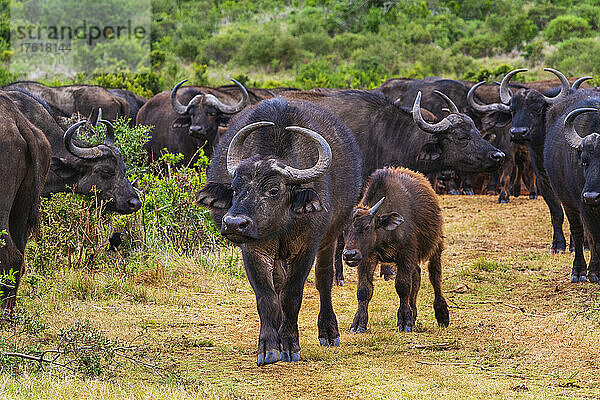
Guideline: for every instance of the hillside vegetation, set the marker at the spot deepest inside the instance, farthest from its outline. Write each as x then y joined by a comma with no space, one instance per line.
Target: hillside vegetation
356,43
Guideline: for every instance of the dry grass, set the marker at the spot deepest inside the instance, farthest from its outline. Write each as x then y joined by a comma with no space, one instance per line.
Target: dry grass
518,328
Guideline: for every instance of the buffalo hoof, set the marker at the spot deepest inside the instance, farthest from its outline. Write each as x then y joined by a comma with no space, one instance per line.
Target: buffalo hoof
285,356
404,328
468,192
532,196
558,247
442,316
339,282
503,201
571,247
359,329
593,277
272,356
578,278
329,342
454,192
586,245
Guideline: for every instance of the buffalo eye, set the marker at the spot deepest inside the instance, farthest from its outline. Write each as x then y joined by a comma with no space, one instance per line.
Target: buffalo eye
584,162
464,138
274,191
106,173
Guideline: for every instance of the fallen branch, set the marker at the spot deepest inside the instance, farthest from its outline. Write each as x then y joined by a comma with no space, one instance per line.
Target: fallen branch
433,346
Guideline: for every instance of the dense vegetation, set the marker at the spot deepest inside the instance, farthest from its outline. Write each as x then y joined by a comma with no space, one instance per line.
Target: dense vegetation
354,43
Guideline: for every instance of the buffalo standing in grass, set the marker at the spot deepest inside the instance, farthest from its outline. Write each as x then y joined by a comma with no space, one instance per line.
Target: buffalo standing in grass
281,185
572,163
398,220
87,170
188,118
527,108
25,163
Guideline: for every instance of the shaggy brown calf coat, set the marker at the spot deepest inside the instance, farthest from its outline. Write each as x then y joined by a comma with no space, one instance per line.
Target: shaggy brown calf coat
405,229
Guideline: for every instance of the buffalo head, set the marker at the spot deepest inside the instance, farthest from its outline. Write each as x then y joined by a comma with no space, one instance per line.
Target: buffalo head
204,112
367,231
99,168
526,108
459,144
265,193
588,148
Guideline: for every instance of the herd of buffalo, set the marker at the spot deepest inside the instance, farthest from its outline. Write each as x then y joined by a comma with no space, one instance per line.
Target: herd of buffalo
330,175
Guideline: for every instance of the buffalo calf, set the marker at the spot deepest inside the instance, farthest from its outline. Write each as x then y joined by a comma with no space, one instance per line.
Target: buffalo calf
398,220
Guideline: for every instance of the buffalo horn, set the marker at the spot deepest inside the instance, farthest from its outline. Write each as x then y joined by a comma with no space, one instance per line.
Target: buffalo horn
374,209
579,81
211,100
299,176
234,151
565,89
177,106
484,108
451,105
571,134
110,132
441,126
81,152
505,94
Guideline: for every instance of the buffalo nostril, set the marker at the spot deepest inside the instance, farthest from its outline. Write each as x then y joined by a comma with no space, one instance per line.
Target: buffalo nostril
134,204
236,223
592,198
498,156
350,254
518,131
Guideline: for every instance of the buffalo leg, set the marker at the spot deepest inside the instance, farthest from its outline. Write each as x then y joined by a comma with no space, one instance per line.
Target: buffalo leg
579,271
329,334
440,307
416,285
364,293
467,185
505,182
260,276
11,262
404,278
291,299
557,217
339,265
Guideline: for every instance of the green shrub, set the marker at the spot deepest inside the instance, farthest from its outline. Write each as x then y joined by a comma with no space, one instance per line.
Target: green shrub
565,27
577,56
542,13
481,45
516,31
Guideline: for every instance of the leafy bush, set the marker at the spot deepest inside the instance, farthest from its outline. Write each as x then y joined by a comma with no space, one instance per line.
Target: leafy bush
576,56
565,27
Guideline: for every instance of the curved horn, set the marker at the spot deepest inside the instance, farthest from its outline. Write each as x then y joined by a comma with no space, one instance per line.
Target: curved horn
99,117
81,152
505,94
451,105
441,126
234,151
571,134
110,132
177,106
209,99
579,81
564,90
484,108
374,209
299,176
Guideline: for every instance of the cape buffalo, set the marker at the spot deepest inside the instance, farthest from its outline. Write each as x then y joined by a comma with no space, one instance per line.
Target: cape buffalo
527,108
404,227
82,99
185,128
134,103
87,170
572,163
25,163
281,185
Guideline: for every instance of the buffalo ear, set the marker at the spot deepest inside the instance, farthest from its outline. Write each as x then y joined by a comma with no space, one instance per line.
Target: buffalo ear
390,221
215,195
496,119
182,122
305,201
64,169
430,152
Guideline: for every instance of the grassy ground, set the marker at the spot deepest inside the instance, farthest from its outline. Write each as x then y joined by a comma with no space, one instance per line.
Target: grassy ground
518,328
